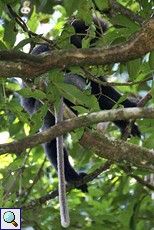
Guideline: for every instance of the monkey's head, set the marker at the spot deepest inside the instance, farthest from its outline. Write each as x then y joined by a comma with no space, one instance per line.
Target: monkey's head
81,30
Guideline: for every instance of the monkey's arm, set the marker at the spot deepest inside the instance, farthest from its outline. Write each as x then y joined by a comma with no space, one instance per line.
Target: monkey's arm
107,97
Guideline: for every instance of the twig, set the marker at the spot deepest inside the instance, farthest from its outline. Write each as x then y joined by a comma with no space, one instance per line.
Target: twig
116,6
27,191
139,179
54,193
96,79
22,170
100,27
23,25
9,189
145,99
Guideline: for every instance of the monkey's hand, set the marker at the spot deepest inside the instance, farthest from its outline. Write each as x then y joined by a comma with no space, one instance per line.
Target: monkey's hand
135,131
122,124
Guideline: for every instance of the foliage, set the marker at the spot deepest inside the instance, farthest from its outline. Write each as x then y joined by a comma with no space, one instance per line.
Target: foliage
115,199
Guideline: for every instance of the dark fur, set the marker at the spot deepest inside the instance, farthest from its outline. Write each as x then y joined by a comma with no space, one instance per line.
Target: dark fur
31,105
81,28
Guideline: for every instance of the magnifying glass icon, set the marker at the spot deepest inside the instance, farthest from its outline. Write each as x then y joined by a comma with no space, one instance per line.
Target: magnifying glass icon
9,217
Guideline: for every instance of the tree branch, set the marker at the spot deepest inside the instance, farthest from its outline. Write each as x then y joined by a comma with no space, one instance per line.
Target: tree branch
37,177
129,173
53,194
116,151
117,7
16,63
71,124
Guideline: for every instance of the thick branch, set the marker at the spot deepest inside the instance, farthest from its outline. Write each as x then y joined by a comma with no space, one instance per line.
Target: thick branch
71,124
117,151
15,63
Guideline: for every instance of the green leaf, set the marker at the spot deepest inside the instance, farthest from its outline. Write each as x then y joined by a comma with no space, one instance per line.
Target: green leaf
108,218
133,68
9,34
10,1
118,40
86,42
82,6
64,39
53,95
24,42
35,93
15,128
68,91
71,93
1,8
122,98
70,6
102,5
151,60
80,109
84,11
1,194
95,192
33,22
77,134
144,3
152,91
124,21
18,111
117,34
2,46
37,118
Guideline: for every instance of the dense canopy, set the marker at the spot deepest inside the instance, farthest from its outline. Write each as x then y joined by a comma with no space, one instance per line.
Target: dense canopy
119,168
